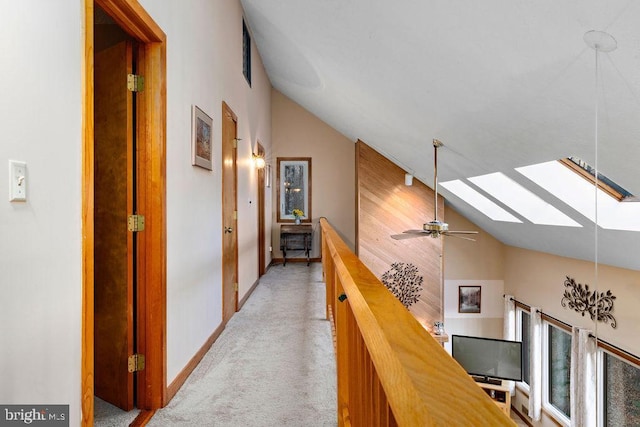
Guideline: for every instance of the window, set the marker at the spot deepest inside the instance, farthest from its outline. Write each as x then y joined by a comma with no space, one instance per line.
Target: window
618,374
246,53
524,335
621,392
559,368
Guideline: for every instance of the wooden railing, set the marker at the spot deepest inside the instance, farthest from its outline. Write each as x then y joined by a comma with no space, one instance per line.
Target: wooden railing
390,370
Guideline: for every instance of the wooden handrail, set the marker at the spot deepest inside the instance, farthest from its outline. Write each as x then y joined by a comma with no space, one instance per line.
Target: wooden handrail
391,371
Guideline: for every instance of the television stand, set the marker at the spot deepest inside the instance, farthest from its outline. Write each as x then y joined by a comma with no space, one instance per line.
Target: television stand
487,380
499,394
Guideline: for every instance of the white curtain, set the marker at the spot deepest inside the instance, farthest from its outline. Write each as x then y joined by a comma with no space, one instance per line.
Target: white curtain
509,328
583,378
535,365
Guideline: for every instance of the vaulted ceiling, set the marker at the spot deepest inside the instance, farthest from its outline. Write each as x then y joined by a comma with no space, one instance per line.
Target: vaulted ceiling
503,84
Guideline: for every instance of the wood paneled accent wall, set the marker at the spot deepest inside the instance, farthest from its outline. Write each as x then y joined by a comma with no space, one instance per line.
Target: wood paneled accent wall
385,207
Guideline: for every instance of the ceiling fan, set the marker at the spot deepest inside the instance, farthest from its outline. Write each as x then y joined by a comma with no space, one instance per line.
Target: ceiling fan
434,228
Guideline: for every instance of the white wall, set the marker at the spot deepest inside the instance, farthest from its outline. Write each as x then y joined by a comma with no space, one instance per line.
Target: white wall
204,67
40,240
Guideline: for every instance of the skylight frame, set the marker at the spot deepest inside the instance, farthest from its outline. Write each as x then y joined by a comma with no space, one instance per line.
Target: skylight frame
587,172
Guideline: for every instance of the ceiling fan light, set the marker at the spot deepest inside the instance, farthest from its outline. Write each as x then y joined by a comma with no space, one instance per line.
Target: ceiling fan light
435,226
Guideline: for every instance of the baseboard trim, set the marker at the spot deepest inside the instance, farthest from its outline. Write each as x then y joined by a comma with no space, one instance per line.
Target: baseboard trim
143,418
186,371
281,260
522,417
248,294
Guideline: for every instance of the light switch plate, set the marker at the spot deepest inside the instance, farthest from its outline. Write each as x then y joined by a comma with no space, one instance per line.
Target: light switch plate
17,181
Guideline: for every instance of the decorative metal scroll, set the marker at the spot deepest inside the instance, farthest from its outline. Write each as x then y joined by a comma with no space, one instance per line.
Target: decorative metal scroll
582,300
404,282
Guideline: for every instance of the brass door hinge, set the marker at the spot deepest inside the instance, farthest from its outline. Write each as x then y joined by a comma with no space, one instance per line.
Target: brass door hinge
135,223
136,362
235,215
235,287
135,83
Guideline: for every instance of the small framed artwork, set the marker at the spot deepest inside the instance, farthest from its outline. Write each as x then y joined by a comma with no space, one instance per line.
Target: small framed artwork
201,139
469,299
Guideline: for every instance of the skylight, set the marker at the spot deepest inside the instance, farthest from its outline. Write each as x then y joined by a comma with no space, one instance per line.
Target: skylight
522,200
478,201
571,188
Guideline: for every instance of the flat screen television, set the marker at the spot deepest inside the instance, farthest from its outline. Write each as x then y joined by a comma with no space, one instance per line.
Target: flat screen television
488,360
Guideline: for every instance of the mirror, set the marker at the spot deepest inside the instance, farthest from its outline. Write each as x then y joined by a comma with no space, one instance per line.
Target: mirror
294,188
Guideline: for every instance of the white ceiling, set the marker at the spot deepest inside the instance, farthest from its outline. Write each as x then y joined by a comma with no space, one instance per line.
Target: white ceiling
502,83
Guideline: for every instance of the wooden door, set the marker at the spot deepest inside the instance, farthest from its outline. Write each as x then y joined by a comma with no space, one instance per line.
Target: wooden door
261,234
229,214
113,247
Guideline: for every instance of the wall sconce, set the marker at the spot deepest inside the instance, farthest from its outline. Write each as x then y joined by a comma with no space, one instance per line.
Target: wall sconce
258,161
408,179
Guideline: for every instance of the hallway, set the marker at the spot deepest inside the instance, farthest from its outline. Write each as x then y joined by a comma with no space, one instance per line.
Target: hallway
273,364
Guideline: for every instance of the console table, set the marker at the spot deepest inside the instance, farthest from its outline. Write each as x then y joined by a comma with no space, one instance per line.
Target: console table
295,237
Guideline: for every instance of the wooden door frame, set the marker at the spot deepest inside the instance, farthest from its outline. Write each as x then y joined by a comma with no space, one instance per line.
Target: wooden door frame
151,151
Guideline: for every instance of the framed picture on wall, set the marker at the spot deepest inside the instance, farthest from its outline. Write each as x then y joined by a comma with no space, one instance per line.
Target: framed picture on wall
469,299
294,189
201,138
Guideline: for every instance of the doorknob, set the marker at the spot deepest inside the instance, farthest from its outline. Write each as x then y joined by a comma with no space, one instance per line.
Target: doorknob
228,230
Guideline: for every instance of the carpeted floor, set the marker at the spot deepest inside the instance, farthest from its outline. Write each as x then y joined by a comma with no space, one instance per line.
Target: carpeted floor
273,365
107,415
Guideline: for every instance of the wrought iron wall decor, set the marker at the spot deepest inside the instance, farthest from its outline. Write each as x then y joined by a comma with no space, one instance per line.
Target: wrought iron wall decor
582,300
404,282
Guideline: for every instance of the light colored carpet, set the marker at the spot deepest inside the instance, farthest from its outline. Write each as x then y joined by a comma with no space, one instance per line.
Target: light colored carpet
107,415
273,365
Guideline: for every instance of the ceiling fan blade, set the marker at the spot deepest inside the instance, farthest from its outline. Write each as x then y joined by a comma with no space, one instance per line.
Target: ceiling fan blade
459,232
457,236
410,234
